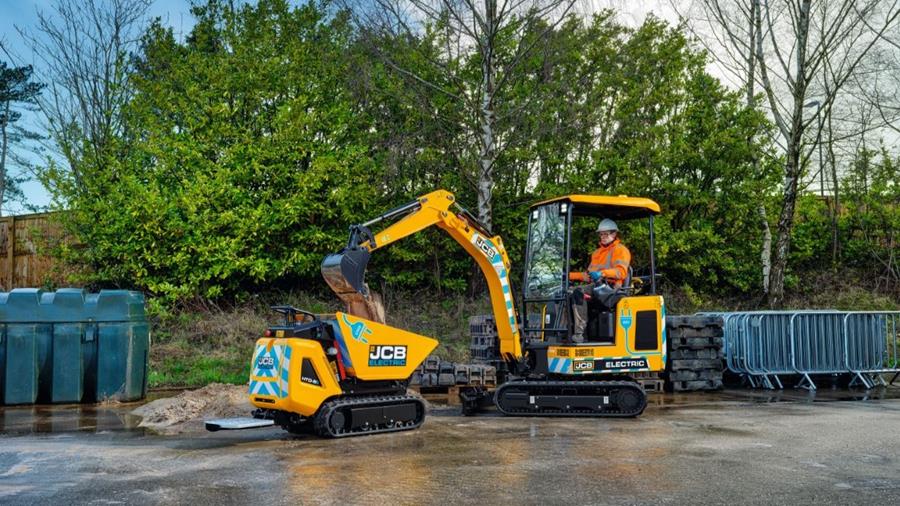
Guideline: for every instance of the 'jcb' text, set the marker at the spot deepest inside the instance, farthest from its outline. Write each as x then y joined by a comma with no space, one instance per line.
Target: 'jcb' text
387,355
485,247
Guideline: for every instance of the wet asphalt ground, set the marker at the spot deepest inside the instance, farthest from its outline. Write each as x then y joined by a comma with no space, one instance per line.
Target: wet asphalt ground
736,447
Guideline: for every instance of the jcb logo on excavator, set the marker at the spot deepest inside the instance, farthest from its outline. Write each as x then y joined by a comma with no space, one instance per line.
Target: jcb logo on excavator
583,365
387,355
485,247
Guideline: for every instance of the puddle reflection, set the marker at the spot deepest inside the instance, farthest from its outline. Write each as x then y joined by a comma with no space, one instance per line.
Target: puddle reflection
66,418
495,461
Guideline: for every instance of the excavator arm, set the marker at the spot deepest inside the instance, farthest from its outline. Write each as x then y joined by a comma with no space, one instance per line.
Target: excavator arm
345,271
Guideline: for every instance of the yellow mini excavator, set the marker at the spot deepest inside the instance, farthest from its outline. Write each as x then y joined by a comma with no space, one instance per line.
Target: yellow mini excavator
347,375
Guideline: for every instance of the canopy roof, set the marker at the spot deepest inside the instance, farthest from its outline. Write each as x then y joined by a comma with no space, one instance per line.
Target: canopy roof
621,207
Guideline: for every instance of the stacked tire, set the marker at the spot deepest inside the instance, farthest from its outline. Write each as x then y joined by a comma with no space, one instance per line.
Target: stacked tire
437,372
484,344
695,353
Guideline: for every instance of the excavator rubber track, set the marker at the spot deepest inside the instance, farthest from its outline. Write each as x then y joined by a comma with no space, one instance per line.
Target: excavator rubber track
361,416
614,399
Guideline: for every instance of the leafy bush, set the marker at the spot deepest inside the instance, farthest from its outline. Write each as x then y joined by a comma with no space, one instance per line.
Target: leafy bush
252,145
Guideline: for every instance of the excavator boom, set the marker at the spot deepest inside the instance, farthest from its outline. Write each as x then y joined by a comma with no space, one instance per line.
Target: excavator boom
345,271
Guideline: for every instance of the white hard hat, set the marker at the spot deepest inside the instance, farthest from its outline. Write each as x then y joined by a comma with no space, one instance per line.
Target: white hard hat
607,225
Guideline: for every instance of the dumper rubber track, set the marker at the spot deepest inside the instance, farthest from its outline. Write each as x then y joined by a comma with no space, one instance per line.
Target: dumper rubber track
695,354
618,399
360,416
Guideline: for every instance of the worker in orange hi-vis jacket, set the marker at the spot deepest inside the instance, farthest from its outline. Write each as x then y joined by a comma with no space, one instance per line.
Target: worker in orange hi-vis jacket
609,264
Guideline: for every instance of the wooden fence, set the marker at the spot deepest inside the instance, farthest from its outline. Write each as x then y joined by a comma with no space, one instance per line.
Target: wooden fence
23,259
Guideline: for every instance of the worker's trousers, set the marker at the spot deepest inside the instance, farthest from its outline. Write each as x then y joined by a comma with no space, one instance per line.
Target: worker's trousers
579,311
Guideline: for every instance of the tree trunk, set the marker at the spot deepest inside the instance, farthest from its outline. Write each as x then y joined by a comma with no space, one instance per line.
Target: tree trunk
785,220
792,167
766,253
488,151
4,147
438,288
835,201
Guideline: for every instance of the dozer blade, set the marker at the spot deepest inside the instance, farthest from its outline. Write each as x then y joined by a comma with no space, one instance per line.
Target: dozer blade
237,424
345,272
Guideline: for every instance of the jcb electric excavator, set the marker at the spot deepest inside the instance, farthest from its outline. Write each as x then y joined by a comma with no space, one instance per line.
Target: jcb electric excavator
347,375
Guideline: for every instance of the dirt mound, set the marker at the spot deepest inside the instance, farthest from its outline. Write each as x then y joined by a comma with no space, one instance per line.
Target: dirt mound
187,410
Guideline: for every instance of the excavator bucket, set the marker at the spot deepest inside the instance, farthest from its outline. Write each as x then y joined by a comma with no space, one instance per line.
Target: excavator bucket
345,272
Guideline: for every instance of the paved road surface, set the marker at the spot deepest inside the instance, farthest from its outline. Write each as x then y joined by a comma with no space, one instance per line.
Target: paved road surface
733,447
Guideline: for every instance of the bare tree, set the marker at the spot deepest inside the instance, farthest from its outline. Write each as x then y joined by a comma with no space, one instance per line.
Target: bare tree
83,51
468,27
879,86
727,30
832,33
796,51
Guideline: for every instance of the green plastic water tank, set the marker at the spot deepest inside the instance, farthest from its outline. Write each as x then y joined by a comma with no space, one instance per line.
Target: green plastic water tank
123,344
22,339
70,346
67,345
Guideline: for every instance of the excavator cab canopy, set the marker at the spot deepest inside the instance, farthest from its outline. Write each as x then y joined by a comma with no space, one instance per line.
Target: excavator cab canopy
548,255
621,207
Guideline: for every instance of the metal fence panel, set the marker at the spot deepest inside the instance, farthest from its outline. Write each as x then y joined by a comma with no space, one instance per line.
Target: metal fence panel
764,345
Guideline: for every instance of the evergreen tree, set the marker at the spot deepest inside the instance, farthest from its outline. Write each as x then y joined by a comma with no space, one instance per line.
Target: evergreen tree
17,91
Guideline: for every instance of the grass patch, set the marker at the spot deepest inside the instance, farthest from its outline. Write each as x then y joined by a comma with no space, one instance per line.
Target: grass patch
846,290
231,368
201,345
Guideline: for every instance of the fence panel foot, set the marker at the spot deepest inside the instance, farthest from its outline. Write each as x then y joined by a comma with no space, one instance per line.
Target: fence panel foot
859,377
806,382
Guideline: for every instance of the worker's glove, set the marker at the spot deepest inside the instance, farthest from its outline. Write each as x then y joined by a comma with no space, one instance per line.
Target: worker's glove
595,276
